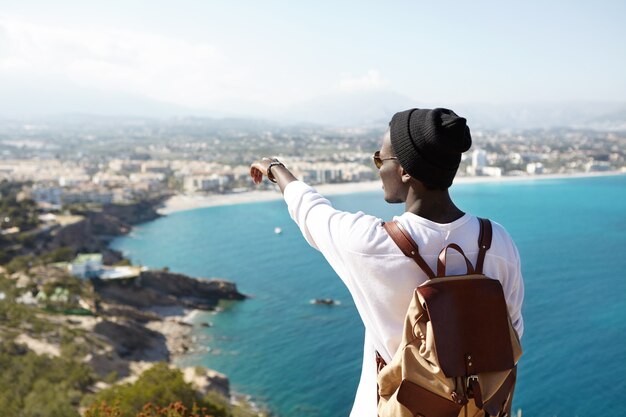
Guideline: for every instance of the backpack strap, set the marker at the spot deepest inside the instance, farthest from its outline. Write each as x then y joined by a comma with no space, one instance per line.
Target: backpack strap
441,260
407,245
484,243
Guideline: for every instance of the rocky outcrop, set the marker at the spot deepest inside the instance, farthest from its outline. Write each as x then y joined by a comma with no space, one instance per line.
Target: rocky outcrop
137,321
142,316
133,341
184,287
135,213
207,380
160,288
92,234
127,312
95,231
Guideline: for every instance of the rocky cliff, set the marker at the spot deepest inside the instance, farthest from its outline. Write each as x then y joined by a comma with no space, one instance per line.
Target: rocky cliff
95,231
135,213
160,288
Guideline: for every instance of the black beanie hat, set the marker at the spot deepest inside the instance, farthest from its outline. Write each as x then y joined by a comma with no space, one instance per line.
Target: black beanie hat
429,144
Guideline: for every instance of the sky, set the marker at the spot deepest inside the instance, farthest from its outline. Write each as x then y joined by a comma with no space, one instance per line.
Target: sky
202,54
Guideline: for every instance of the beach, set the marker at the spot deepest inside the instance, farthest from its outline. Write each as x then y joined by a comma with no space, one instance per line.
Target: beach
183,202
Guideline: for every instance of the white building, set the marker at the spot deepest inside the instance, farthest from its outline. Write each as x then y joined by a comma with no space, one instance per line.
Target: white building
88,195
110,180
491,171
161,167
151,179
211,182
121,272
73,180
322,175
47,195
87,265
121,165
597,166
534,168
479,158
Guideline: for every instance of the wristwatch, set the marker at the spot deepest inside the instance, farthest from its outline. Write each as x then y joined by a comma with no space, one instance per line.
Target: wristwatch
269,169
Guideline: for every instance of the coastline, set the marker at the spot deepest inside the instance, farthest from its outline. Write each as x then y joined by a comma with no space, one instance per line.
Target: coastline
176,328
374,186
183,202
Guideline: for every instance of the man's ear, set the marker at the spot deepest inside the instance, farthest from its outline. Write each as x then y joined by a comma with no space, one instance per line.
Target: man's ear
406,178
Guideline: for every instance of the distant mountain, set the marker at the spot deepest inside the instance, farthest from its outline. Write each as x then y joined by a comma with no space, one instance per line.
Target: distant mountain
348,109
582,115
22,98
377,108
25,98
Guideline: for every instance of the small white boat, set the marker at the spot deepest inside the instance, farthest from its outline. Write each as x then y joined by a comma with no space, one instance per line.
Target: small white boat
278,230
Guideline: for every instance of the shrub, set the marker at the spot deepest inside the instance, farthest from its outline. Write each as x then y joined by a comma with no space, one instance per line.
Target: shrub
159,387
176,409
63,254
37,386
20,263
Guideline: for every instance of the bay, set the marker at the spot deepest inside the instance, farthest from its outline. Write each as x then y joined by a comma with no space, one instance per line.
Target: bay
304,360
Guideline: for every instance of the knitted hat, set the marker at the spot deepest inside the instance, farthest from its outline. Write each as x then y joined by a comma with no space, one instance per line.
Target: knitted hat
429,144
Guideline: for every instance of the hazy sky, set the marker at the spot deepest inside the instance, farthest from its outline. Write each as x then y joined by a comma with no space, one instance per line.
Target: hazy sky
200,53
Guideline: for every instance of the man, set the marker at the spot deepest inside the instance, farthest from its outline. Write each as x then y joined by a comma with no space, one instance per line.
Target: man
417,162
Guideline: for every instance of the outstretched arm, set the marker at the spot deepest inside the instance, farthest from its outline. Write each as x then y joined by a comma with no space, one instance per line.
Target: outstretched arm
280,173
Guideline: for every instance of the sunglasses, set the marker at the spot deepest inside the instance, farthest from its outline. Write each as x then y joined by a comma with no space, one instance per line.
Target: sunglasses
378,161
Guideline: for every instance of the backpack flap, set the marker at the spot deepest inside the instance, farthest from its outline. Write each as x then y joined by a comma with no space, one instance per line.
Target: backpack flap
422,402
470,324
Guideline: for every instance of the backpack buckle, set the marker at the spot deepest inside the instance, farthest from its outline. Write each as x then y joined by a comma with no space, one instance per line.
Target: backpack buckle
474,391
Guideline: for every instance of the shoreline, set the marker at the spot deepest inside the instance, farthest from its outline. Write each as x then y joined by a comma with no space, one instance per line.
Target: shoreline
177,329
183,202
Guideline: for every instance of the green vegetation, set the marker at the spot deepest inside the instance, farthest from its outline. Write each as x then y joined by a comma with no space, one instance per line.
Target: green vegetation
15,317
23,262
58,384
66,281
123,262
37,386
19,218
159,386
81,209
34,385
64,254
14,212
7,287
20,263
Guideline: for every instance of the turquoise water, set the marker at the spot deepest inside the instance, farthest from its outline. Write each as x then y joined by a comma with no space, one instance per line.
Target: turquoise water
304,360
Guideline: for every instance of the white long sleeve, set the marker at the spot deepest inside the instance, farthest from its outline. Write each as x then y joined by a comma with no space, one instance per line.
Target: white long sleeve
381,279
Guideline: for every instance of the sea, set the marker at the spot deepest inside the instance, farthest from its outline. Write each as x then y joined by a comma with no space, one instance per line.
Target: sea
304,360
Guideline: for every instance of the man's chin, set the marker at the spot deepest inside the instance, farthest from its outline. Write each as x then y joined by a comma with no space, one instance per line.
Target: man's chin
393,200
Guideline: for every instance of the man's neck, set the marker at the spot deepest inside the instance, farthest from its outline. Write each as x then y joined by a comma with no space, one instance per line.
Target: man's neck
436,206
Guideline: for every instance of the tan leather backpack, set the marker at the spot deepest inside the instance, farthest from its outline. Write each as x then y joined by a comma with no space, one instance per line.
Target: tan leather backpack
459,350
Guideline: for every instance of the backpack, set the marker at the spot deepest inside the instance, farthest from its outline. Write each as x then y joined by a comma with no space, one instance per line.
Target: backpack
459,350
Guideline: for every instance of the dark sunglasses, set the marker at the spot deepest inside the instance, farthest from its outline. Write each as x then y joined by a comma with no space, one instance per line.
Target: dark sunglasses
378,161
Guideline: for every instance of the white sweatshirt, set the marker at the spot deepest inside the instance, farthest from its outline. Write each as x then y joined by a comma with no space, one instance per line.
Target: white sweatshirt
381,279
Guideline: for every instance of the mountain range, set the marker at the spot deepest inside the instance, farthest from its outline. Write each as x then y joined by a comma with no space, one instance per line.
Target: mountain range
369,108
